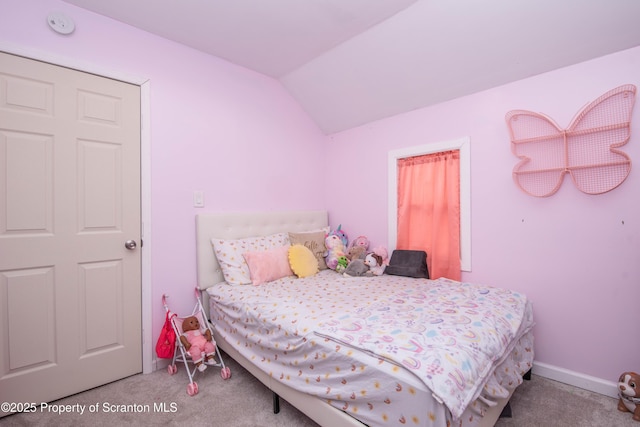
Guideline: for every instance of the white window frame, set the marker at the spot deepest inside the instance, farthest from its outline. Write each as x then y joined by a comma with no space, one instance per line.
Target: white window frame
461,144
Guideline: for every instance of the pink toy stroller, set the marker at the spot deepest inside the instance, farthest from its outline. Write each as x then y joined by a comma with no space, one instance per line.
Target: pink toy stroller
181,354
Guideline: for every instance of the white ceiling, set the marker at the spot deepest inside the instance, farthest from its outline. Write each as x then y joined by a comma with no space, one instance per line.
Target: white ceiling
349,62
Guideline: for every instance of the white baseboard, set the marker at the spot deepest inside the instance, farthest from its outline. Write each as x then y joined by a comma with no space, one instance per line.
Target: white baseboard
160,363
576,379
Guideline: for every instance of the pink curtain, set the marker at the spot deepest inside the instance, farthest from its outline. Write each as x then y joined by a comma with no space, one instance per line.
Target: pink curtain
429,210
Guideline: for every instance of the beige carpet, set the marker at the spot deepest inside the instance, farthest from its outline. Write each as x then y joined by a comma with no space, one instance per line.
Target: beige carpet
543,402
242,401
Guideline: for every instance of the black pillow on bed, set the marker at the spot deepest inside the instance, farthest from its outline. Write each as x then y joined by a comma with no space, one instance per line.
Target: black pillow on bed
408,263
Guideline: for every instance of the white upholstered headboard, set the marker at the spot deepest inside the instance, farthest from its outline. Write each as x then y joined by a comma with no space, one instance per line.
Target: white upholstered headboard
238,225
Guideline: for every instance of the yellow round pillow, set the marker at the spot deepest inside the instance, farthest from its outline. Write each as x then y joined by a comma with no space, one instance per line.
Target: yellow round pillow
302,261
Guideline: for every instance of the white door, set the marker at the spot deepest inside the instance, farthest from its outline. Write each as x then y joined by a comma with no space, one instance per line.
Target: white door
70,291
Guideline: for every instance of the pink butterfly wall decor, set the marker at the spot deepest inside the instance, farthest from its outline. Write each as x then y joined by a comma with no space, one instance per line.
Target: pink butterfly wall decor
588,149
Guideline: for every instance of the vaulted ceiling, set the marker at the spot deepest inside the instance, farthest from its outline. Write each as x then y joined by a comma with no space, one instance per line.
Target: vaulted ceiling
350,62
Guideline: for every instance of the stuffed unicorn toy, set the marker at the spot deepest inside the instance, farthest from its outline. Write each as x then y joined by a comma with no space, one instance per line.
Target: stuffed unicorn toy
341,234
335,249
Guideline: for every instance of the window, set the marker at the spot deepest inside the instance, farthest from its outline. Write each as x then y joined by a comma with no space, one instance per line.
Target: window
465,194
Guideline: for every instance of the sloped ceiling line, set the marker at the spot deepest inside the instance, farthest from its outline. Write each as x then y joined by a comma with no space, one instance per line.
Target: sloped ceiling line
350,62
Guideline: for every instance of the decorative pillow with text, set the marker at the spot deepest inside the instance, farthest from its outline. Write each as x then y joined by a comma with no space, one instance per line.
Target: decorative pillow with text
314,241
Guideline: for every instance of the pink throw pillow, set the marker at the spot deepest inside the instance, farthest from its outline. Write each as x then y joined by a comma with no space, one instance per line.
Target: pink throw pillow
268,265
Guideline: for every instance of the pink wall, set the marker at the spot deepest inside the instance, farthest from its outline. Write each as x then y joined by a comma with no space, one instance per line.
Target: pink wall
570,253
230,132
213,125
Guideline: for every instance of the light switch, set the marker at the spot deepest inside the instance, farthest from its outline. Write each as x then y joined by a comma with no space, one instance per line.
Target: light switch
198,199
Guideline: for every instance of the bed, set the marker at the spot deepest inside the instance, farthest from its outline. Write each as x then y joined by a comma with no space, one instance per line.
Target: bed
384,350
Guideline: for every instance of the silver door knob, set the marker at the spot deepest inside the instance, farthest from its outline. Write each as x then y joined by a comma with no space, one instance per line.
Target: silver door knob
130,244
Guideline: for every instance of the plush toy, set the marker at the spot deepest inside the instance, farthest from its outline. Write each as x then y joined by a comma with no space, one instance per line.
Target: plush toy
356,268
335,248
356,252
197,343
629,392
360,241
374,261
384,254
341,234
371,265
343,262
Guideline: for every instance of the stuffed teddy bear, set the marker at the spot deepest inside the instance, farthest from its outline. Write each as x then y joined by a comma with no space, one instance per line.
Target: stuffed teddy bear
335,248
629,392
375,263
197,343
356,252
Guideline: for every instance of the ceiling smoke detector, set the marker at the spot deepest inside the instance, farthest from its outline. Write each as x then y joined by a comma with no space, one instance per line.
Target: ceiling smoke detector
61,23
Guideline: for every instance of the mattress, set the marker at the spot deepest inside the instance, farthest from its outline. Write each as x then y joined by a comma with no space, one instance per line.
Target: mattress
387,350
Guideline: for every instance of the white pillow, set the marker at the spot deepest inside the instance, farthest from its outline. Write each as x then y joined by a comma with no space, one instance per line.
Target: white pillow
230,255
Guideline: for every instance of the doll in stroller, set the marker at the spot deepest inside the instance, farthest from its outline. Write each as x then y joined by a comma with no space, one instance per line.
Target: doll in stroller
195,345
200,347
